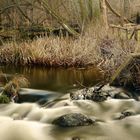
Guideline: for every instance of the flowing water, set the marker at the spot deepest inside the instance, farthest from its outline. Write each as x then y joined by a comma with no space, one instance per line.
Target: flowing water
29,121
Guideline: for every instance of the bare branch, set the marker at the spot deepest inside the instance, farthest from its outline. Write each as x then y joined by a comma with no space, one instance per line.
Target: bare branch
21,11
115,12
59,19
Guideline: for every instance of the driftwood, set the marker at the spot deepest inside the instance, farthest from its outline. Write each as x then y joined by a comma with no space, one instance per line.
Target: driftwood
34,31
130,30
128,74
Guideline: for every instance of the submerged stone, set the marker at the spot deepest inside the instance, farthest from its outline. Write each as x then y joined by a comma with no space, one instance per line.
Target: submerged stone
73,120
33,95
75,138
125,114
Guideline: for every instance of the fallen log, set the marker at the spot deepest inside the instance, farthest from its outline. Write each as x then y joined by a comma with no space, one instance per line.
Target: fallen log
35,31
128,74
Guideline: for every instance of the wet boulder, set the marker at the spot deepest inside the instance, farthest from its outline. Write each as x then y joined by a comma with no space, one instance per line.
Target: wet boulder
33,95
100,93
99,97
83,94
94,94
73,120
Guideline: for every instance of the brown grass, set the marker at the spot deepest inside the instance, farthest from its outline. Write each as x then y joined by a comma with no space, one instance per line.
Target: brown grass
95,47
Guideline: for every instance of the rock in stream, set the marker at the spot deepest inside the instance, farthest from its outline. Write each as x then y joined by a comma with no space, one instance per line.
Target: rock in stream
73,120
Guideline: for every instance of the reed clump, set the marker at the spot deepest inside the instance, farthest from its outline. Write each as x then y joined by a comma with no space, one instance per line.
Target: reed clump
52,51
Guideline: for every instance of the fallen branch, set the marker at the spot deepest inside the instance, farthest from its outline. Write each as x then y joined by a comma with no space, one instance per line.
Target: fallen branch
115,12
59,19
118,27
11,6
21,11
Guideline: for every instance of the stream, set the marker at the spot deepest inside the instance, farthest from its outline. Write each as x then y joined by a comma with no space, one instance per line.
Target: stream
30,121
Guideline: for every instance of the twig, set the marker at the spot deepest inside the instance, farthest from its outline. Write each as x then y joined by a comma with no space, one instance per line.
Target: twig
81,84
21,11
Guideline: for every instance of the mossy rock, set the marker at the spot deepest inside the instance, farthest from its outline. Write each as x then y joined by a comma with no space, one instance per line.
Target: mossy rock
4,99
73,120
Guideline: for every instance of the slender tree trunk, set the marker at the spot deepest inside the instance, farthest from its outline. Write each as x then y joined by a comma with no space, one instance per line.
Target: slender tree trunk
127,7
0,20
103,9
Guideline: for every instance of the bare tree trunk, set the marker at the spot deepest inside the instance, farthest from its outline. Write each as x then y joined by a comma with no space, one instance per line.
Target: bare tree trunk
127,7
0,20
122,12
104,13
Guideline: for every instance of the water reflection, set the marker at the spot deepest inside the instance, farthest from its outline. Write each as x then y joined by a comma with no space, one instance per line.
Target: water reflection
56,79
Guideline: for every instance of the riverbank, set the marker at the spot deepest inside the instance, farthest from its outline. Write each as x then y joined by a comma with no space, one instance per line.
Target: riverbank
101,50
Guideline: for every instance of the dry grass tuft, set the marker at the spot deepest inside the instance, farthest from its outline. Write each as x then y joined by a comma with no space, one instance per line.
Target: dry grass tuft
52,51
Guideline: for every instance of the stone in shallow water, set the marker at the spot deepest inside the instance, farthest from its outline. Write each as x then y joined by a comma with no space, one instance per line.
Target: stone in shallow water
73,120
121,95
98,94
33,95
98,97
125,114
75,138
